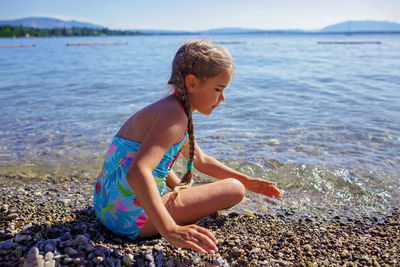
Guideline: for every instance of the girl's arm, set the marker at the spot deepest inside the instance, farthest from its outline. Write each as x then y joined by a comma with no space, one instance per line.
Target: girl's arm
212,167
161,135
172,179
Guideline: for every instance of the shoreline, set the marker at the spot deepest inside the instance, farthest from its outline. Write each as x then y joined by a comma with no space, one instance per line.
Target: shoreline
51,221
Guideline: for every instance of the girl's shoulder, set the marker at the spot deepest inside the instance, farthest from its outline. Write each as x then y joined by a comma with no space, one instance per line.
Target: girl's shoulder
170,108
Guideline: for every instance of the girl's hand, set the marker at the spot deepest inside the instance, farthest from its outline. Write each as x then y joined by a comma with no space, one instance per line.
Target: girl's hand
264,187
193,237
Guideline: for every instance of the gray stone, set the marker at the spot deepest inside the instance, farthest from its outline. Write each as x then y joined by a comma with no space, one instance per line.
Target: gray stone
49,247
127,260
18,252
64,201
68,260
102,251
32,254
70,251
97,260
8,244
149,257
49,256
66,236
33,258
22,238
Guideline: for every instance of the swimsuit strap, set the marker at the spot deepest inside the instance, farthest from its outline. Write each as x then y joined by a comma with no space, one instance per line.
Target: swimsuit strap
180,100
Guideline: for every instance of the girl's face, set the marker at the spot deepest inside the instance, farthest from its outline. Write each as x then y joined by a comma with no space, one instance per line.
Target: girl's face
206,96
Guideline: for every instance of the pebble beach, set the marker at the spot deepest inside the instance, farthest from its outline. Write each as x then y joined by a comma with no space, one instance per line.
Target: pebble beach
49,221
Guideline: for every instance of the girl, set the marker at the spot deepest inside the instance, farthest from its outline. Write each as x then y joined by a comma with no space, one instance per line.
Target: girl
128,194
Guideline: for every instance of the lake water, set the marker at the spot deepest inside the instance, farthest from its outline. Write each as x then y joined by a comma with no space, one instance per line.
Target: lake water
322,121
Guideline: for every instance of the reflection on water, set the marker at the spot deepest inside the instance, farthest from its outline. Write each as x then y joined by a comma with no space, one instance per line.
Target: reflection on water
321,121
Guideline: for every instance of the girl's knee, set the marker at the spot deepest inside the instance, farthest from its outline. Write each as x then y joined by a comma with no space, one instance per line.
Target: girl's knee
235,189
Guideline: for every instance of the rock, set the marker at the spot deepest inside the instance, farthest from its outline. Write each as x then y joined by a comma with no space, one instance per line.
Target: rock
8,244
12,216
33,258
4,208
18,252
97,260
49,256
32,254
68,260
102,251
307,247
64,201
70,251
22,238
149,257
49,260
66,236
49,247
236,252
127,260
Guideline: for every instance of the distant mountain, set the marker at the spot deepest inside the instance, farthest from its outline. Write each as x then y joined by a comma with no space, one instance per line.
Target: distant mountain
229,31
363,26
48,23
344,27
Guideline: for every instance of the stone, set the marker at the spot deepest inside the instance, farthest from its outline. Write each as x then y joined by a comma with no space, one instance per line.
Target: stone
18,252
49,247
127,260
33,258
307,247
102,251
64,201
70,251
149,257
66,236
97,260
32,254
236,252
8,244
49,260
12,216
22,238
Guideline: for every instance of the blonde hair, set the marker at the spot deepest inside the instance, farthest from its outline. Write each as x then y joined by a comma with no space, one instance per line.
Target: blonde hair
204,59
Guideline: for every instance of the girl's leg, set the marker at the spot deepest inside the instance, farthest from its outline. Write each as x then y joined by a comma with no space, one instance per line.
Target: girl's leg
198,202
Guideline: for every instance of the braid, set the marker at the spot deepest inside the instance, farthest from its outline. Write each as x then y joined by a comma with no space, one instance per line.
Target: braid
203,59
187,179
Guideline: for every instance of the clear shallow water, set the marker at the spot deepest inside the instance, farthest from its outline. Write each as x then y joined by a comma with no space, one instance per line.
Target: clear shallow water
322,121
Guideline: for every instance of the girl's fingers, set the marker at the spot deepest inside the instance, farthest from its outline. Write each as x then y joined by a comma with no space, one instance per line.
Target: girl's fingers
205,242
195,247
207,233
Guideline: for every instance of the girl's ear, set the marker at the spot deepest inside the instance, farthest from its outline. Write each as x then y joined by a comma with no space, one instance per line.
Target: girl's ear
191,82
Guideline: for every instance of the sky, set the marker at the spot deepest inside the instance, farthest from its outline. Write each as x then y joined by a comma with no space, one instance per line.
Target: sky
205,14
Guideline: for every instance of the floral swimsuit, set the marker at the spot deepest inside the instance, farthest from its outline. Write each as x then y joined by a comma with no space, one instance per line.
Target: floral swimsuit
114,202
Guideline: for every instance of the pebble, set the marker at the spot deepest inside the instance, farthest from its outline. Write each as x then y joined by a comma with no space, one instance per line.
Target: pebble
127,260
11,216
149,257
22,238
72,236
97,260
70,251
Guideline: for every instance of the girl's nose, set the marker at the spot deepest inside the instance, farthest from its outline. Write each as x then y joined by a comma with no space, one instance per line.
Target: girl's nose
221,96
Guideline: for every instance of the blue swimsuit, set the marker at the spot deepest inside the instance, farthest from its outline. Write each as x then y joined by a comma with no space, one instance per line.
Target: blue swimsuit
114,202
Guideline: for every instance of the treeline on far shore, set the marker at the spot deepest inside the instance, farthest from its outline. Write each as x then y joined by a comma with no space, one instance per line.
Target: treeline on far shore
20,31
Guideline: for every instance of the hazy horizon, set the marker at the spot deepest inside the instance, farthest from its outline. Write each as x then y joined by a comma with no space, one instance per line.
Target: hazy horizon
191,16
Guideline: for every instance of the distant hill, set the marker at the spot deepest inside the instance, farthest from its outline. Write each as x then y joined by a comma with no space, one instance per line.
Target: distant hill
344,27
48,23
363,26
